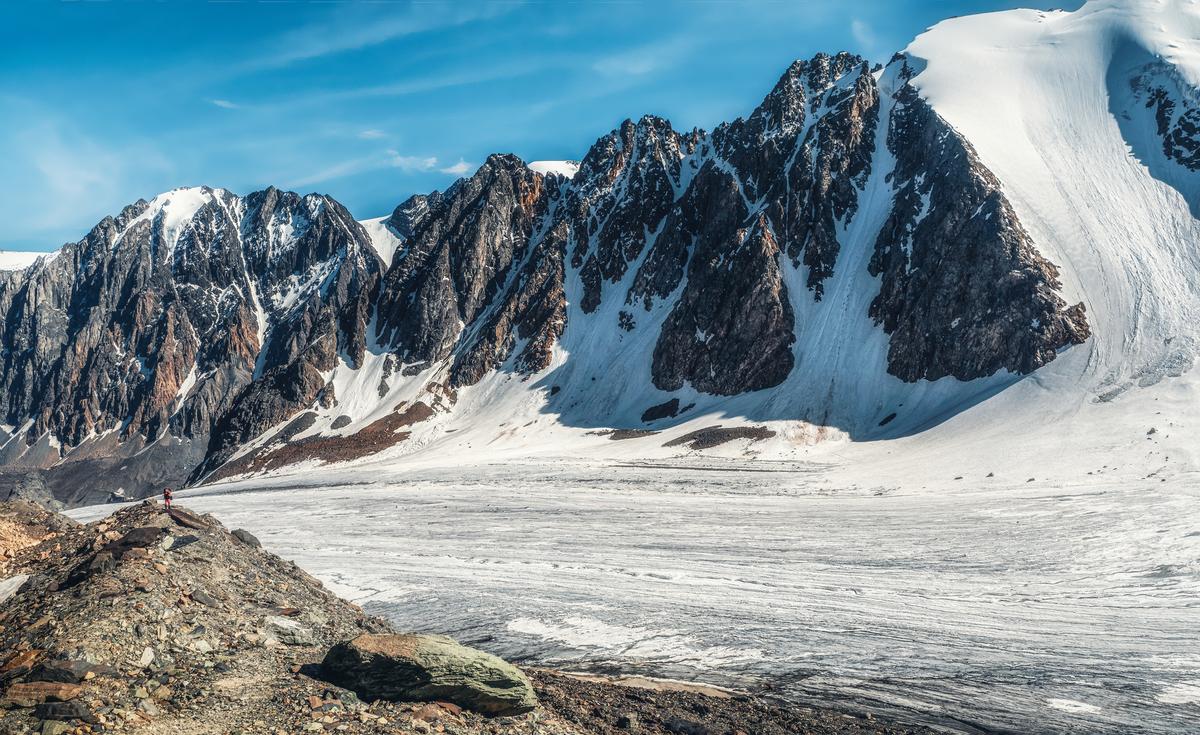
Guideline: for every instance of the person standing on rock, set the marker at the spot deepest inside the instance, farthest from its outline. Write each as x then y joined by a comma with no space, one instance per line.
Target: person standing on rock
167,497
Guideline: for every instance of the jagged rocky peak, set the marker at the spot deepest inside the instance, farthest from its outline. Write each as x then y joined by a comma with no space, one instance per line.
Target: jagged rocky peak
625,186
458,257
149,331
783,110
806,151
410,213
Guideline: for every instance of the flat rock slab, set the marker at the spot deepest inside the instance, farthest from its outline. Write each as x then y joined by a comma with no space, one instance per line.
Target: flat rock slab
28,694
289,632
138,538
19,664
64,711
188,519
427,668
68,671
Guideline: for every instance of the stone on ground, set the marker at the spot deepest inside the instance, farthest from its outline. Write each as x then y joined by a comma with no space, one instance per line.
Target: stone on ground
246,537
418,668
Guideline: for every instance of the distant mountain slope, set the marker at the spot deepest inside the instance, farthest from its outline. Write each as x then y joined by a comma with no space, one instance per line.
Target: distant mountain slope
867,253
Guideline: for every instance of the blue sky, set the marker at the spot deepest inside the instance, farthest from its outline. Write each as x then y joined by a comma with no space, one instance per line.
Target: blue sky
103,103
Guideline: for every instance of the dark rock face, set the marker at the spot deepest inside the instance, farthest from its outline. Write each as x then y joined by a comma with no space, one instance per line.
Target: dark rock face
806,150
183,329
246,537
667,409
625,186
775,187
458,259
964,292
1179,126
734,334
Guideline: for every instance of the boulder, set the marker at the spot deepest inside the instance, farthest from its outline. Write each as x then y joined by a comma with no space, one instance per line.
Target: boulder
289,632
246,537
138,538
188,519
19,664
100,563
67,671
425,668
64,711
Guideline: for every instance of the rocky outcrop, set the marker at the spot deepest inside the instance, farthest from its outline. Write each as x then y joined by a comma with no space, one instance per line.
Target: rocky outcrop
805,153
625,186
413,667
774,190
1177,119
964,292
459,257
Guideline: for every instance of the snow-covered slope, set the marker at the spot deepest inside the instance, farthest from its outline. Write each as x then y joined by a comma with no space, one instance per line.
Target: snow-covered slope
15,260
1055,104
384,238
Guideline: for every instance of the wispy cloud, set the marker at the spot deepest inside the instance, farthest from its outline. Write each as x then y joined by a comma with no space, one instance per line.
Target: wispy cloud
225,104
71,179
337,171
380,160
458,169
645,59
420,85
372,134
352,31
411,164
863,34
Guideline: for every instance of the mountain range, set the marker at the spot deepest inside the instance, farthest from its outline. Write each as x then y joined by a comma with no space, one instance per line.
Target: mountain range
872,250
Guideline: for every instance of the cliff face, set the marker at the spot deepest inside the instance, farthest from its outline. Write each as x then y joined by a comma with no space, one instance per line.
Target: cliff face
202,326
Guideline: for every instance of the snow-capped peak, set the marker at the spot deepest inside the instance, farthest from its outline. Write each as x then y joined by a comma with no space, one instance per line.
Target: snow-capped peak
177,207
561,168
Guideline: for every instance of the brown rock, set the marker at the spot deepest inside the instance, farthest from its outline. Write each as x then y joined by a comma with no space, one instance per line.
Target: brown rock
20,663
28,694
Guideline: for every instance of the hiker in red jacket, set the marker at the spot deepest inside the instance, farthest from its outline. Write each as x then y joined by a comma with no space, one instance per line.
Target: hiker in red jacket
167,497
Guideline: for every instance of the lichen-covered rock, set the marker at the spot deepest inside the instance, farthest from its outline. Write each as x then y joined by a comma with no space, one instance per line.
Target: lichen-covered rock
416,667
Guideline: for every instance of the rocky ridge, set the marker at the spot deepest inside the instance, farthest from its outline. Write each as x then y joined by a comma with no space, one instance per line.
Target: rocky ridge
165,622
